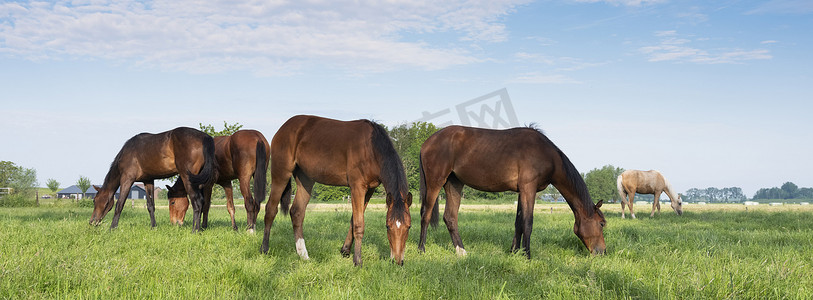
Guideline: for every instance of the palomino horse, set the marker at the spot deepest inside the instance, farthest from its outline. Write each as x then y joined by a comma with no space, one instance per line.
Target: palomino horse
145,157
646,182
240,156
358,154
519,159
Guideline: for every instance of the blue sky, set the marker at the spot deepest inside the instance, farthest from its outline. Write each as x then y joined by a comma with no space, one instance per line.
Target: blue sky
712,94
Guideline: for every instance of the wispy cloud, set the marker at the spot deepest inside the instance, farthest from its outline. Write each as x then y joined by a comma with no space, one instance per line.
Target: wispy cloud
623,2
265,37
539,78
790,7
557,63
674,48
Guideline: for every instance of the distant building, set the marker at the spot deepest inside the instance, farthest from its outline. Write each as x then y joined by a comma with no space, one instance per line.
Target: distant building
136,192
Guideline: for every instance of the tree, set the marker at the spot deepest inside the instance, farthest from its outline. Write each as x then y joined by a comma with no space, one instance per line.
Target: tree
601,183
407,140
227,129
23,182
53,185
806,193
550,194
330,193
789,190
83,184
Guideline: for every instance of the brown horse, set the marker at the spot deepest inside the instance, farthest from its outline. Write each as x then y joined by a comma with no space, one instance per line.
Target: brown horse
519,159
178,202
358,154
240,156
646,182
145,157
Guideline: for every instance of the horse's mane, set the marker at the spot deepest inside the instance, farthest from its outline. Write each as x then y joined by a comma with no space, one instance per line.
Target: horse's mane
392,170
574,178
535,126
114,174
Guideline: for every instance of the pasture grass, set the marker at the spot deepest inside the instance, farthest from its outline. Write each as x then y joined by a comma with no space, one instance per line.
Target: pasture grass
51,252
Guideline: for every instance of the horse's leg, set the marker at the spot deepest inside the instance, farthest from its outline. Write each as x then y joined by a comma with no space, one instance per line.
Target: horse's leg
304,186
248,202
432,191
454,192
357,197
632,200
348,241
125,184
195,196
150,187
656,203
526,200
227,187
207,203
279,181
623,204
518,227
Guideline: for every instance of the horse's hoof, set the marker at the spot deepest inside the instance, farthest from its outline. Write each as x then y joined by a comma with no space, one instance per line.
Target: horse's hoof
460,251
345,252
250,230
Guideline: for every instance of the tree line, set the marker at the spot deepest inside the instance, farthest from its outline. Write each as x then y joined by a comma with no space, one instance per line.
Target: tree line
407,139
788,190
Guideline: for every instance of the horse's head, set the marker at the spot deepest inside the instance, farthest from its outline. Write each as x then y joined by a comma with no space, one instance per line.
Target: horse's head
178,204
590,229
398,223
678,205
102,204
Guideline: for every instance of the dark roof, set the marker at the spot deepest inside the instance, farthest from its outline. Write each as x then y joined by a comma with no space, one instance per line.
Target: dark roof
75,190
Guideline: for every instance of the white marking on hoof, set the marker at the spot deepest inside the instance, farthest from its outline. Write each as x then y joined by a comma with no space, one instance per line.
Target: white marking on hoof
251,231
397,224
633,216
301,250
460,251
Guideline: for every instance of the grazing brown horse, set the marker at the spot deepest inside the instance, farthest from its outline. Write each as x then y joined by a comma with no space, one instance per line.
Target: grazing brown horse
358,154
178,202
646,182
519,159
145,157
240,156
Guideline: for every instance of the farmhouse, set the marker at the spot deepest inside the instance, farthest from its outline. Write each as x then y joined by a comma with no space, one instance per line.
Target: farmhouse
136,192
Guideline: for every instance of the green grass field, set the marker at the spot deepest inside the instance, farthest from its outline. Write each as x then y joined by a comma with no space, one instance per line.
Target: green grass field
716,252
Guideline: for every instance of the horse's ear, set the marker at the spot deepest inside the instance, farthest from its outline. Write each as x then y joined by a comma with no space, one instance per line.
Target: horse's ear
169,188
409,199
389,198
598,205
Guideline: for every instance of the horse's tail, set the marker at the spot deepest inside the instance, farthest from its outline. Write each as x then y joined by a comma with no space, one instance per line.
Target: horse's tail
207,174
260,169
285,202
435,210
621,192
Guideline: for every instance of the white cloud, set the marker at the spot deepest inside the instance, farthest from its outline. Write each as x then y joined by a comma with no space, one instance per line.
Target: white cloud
265,37
673,48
